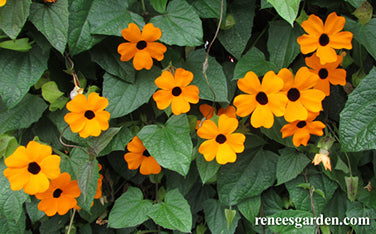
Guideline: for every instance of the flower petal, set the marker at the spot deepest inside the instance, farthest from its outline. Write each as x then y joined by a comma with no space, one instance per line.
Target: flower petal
102,117
64,204
77,104
156,50
301,137
209,149
313,25
295,111
245,104
166,81
271,83
337,77
307,43
230,111
236,142
305,79
225,154
150,33
287,77
163,98
50,166
71,189
134,160
142,59
227,125
277,103
190,94
17,177
18,159
208,130
150,166
316,128
127,51
96,102
179,105
183,77
37,184
341,40
326,54
334,24
262,117
207,110
49,206
38,151
323,85
76,121
250,83
311,99
289,129
132,33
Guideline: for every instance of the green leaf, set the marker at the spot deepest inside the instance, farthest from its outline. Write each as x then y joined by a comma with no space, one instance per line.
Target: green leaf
19,71
253,60
216,218
364,34
180,25
32,210
52,21
252,173
87,174
7,143
21,45
352,187
272,202
123,97
364,12
207,170
159,5
230,215
100,142
358,119
130,209
357,209
299,225
28,111
236,38
174,213
51,92
250,208
79,37
300,196
215,74
13,16
209,8
170,145
287,9
118,142
275,134
11,202
283,50
105,55
110,19
183,183
355,3
290,164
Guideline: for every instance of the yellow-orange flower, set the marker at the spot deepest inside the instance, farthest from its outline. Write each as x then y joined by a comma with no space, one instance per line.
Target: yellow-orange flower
208,112
2,2
31,168
301,97
221,142
60,197
323,156
264,100
325,38
49,0
301,129
98,194
175,90
141,46
328,73
139,156
87,116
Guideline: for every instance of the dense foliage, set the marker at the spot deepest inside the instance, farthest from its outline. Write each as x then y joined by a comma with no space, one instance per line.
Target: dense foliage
259,164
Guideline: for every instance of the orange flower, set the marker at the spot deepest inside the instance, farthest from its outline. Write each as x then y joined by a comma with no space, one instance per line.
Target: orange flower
175,90
2,2
141,46
264,100
98,194
139,156
87,116
325,38
323,156
221,143
31,167
301,129
60,197
301,97
328,73
49,0
230,111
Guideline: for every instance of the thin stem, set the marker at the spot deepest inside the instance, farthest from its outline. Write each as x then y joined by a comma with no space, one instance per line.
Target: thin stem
143,6
71,221
67,145
311,198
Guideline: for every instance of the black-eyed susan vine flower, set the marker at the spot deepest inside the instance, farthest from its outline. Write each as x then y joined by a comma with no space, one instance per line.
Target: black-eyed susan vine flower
98,193
176,91
325,38
60,197
301,130
301,98
263,100
208,112
139,157
31,167
87,115
221,141
322,157
141,46
2,2
328,73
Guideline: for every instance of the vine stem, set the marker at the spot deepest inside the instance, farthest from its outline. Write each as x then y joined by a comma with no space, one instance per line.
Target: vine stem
205,65
67,145
71,221
312,204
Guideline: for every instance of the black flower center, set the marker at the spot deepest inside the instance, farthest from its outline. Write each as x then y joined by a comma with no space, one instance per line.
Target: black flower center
323,73
324,39
176,91
34,168
141,45
89,114
57,193
221,139
146,153
301,124
293,94
262,98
